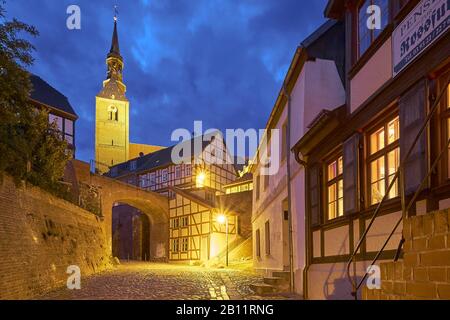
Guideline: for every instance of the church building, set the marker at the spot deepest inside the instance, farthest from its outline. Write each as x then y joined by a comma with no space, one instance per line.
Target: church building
112,120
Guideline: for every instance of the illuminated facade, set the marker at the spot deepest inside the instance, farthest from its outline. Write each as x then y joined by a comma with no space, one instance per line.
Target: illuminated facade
112,113
112,120
193,188
355,209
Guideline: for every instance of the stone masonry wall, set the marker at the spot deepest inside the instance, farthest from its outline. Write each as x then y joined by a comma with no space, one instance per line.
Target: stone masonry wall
424,272
40,236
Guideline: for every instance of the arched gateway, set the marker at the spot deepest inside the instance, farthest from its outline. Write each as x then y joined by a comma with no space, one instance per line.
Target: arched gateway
110,192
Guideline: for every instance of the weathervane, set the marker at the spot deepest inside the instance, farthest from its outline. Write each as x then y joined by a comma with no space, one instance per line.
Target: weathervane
116,12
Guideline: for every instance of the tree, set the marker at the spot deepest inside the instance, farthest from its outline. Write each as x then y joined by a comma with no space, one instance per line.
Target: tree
31,149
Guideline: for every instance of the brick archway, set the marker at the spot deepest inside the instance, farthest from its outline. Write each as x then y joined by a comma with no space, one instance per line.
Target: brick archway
153,205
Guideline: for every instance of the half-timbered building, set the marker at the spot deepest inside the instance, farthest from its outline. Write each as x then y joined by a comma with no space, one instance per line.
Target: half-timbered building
396,116
192,187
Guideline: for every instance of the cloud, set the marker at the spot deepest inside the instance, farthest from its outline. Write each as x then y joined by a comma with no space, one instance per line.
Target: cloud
220,61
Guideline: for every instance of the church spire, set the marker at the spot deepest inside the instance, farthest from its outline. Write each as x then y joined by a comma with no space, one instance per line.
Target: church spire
115,51
113,86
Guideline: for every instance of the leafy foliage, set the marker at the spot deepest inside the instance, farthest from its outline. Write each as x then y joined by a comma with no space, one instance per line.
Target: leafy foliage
31,149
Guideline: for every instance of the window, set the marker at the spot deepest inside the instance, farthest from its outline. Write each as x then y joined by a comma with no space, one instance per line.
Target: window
184,244
177,172
113,113
258,178
152,181
258,243
176,223
335,189
143,181
68,127
188,170
367,36
184,221
384,160
133,165
175,245
57,120
267,237
68,131
165,175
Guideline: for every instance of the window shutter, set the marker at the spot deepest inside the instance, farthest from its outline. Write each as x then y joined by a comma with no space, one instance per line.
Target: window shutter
412,117
351,176
314,195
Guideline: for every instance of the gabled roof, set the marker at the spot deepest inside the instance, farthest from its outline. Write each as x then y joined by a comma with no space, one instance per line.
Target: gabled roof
44,93
161,158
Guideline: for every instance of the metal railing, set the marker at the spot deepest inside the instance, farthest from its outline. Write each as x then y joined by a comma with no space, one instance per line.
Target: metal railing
399,176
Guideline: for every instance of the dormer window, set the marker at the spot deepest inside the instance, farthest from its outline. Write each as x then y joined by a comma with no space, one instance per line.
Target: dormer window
366,35
113,113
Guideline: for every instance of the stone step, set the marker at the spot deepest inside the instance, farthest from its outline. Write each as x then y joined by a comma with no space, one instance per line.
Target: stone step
276,281
263,288
282,274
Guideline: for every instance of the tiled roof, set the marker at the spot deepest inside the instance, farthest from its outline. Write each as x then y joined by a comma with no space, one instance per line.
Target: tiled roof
44,93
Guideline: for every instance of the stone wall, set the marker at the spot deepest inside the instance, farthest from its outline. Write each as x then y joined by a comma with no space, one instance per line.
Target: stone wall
40,236
424,272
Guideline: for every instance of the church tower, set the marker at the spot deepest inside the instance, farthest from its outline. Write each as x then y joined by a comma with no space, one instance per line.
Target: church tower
112,113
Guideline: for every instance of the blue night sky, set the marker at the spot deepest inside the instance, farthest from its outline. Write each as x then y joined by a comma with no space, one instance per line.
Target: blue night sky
219,61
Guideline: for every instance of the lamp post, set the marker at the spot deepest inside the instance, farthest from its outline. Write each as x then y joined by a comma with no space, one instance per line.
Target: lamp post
224,219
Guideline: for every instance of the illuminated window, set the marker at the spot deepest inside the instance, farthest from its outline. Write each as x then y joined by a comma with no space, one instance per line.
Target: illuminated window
384,160
200,179
177,172
335,187
367,36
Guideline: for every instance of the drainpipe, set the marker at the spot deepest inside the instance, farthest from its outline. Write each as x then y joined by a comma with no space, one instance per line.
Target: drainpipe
304,164
288,160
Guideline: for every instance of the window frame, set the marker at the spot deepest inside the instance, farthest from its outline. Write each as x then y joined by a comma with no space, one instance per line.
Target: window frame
373,34
267,237
382,153
258,243
334,181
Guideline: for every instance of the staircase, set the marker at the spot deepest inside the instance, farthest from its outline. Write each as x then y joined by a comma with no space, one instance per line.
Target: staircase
424,272
277,283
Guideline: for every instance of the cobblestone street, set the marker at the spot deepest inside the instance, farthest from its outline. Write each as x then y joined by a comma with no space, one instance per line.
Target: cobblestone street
152,281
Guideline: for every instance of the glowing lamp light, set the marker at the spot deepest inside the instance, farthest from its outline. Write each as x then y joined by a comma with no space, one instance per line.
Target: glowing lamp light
200,180
221,218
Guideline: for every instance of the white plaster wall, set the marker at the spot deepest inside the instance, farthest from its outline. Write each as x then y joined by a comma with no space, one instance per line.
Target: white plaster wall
380,230
376,72
318,87
329,281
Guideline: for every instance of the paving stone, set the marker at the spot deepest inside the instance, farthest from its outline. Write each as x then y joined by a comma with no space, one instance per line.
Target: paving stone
157,281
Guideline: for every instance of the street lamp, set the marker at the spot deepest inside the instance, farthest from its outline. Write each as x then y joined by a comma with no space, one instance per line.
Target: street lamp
223,219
